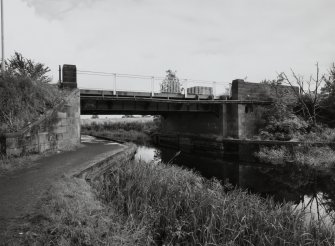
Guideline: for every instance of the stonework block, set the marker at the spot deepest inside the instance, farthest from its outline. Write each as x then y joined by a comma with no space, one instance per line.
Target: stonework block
64,122
43,137
14,151
12,143
59,136
31,148
63,133
61,115
61,129
44,147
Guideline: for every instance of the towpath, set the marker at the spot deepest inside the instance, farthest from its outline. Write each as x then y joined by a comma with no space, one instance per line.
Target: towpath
19,190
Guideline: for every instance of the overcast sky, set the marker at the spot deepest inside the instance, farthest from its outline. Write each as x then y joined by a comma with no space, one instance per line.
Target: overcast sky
202,39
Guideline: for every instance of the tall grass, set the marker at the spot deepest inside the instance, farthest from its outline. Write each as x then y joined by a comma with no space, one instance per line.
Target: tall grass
302,155
150,204
179,207
134,131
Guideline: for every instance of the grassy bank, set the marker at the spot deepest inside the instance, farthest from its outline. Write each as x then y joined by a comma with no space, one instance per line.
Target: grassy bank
70,214
127,130
147,204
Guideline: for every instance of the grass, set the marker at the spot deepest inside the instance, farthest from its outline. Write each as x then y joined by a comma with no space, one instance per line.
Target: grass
9,164
139,203
321,134
179,207
70,214
141,126
122,135
303,155
127,130
147,204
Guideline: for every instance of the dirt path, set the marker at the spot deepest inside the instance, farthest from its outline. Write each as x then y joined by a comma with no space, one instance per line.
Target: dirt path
20,190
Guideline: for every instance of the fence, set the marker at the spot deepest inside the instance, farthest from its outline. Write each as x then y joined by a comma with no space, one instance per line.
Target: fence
140,83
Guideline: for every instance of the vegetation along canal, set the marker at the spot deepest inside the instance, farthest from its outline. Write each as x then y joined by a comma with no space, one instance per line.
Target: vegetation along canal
309,190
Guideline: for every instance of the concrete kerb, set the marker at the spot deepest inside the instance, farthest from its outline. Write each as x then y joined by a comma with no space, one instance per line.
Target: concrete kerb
97,167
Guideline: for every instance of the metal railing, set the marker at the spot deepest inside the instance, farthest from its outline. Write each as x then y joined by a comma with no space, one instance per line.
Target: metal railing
141,83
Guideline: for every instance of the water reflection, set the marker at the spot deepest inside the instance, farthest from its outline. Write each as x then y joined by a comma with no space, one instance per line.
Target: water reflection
309,190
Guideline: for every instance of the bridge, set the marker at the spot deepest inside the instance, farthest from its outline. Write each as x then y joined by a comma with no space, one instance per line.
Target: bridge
203,109
235,111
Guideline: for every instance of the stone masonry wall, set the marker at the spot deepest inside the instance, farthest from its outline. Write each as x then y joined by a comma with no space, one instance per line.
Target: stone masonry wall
58,130
242,90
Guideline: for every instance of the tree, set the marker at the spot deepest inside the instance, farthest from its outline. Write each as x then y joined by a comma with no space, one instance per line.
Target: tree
171,83
327,112
20,66
308,96
329,87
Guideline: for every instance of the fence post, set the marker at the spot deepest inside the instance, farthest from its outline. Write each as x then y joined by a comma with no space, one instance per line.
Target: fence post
152,86
114,84
60,74
185,87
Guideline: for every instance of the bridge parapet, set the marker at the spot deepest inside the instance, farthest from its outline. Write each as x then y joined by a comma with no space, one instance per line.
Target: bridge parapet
69,77
242,90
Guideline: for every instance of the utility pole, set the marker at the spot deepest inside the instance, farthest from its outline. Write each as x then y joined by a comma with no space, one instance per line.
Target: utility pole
2,42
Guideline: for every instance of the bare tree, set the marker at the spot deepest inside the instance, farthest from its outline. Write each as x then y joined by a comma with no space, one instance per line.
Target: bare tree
308,96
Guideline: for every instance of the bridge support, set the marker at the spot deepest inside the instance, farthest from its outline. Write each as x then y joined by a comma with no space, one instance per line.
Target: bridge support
239,121
231,120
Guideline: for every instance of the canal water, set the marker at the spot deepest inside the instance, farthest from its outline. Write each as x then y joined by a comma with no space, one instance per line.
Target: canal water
310,191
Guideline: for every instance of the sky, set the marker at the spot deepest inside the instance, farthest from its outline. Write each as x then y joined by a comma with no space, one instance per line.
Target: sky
214,40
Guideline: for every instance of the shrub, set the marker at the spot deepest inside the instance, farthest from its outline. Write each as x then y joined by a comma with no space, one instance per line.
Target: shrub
22,101
24,93
282,124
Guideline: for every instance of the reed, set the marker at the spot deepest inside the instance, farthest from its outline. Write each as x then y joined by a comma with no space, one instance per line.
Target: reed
179,207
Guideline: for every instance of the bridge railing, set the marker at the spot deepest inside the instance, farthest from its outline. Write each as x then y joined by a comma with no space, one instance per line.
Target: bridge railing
140,83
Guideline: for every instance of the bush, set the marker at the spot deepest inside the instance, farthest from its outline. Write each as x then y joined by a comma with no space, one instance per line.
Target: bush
282,124
24,93
23,100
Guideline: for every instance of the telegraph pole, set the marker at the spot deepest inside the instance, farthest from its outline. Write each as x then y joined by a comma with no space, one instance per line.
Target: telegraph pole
2,41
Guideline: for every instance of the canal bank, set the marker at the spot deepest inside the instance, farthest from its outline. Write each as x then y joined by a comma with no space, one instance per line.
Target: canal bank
151,203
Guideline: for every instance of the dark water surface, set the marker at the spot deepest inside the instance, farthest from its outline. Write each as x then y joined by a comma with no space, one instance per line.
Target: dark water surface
308,190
